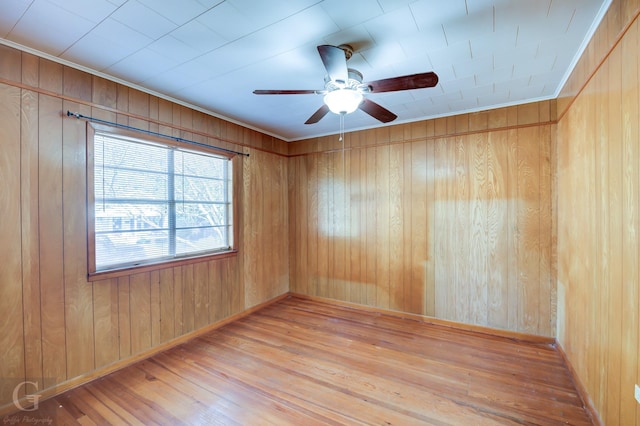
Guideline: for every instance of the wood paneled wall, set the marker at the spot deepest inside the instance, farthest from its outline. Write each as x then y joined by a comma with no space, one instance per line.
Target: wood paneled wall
598,184
57,326
450,218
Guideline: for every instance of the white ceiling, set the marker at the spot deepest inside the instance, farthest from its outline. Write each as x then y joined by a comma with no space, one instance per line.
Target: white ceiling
211,54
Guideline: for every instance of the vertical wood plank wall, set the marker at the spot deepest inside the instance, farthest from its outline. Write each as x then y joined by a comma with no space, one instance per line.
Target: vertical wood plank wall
449,218
56,326
598,181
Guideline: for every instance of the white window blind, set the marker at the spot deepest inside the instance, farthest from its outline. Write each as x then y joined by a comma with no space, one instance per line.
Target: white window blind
155,202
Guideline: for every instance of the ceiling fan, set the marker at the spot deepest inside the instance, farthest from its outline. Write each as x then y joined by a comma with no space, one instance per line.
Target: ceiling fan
344,91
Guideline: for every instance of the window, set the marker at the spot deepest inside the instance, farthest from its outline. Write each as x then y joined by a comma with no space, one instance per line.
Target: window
155,202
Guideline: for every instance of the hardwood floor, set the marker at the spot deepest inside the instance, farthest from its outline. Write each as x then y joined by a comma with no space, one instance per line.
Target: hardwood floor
305,362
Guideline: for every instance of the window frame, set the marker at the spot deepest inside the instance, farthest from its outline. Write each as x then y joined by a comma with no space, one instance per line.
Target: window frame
93,274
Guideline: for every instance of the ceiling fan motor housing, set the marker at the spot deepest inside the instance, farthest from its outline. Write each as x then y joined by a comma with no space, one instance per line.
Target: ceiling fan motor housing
354,82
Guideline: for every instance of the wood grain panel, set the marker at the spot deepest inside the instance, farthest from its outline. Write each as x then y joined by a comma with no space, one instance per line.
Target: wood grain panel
358,226
460,229
613,410
10,63
578,229
12,330
154,277
227,300
232,281
78,296
546,306
51,76
50,231
355,227
216,287
311,185
330,230
29,229
601,161
294,194
441,242
528,233
124,316
188,298
167,305
597,186
450,217
340,221
398,222
513,311
383,231
201,294
453,226
630,211
419,266
104,92
77,84
322,281
589,219
370,218
478,238
63,327
140,311
497,230
347,280
178,305
30,69
300,179
105,321
266,266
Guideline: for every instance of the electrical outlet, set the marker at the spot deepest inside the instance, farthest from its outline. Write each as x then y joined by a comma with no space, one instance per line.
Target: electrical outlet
637,393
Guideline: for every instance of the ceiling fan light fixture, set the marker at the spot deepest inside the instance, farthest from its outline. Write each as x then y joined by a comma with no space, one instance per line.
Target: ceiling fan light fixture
344,91
343,101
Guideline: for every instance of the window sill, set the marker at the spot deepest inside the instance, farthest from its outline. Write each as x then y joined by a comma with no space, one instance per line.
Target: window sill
147,267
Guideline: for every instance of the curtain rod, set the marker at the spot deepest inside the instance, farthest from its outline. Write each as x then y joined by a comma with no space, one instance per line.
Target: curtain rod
149,132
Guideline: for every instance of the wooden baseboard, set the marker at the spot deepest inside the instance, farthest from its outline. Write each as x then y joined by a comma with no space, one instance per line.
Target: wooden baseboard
582,390
521,337
118,365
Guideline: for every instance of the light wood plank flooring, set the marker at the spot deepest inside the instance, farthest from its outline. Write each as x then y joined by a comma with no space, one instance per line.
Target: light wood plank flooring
304,362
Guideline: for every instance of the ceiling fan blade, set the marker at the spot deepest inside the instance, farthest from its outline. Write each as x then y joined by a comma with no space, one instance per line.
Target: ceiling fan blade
317,116
286,92
335,62
376,111
407,82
